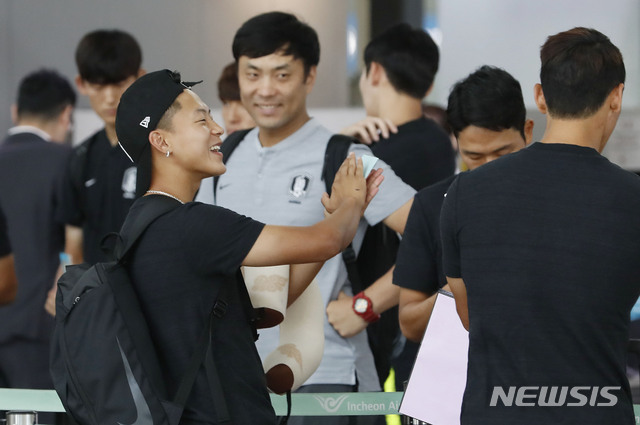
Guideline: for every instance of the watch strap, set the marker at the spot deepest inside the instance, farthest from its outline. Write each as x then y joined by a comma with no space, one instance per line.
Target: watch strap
368,315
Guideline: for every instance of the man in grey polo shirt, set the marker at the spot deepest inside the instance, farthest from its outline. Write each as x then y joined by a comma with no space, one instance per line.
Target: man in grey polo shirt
274,175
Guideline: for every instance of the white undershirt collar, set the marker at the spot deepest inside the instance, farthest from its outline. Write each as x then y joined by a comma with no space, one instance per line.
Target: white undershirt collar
29,129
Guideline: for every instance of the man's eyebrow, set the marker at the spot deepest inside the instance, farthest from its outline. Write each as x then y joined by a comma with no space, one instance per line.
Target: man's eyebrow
276,68
468,152
202,111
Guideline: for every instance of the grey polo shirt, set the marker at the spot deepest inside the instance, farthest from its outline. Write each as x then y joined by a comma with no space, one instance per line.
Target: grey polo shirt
281,185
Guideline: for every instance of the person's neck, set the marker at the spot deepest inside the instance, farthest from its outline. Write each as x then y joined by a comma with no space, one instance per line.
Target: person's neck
171,189
580,132
110,130
175,182
269,137
399,109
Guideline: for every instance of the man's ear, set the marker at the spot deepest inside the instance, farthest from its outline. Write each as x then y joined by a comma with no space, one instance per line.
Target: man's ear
158,142
310,80
528,132
81,85
538,97
14,114
615,98
65,117
376,73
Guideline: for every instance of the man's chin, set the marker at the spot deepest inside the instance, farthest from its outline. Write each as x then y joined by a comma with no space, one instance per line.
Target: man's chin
269,123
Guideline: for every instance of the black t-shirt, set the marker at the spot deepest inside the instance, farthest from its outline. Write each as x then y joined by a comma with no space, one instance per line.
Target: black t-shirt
97,192
547,241
419,261
420,153
177,269
5,246
30,172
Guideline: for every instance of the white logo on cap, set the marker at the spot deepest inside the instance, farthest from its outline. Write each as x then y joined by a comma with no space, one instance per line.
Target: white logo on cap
145,122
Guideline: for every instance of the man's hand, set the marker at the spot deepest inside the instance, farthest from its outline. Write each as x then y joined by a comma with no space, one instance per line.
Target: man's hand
373,182
370,129
50,303
342,317
348,183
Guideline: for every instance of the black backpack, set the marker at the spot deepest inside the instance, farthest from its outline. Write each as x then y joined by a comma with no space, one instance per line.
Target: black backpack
103,362
377,253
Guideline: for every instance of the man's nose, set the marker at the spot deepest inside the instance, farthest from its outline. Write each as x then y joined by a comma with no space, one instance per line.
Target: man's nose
266,86
234,113
110,93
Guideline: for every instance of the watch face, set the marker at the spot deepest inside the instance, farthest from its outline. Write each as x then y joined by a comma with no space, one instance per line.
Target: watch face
361,305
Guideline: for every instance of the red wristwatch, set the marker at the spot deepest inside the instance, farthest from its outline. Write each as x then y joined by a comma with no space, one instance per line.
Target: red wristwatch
363,307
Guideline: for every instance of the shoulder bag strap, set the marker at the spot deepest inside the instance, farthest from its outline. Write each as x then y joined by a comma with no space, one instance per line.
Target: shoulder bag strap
337,150
228,146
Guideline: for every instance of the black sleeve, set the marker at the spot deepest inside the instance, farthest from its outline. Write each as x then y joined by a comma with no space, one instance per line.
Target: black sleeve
216,239
417,261
69,209
449,232
5,246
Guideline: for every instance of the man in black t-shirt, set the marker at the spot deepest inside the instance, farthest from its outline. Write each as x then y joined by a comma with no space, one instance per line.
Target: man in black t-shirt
189,257
400,66
482,137
541,248
99,186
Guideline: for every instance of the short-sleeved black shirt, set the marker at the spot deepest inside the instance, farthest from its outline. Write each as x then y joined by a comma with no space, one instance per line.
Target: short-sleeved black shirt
5,246
97,192
419,261
177,269
420,153
547,241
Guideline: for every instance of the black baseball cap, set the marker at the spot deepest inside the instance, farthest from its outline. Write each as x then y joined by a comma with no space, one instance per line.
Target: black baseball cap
141,107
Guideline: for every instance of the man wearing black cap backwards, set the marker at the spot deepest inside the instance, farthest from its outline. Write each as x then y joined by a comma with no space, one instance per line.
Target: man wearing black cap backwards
185,256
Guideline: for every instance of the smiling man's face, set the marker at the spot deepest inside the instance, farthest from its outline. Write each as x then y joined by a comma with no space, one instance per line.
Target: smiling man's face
274,91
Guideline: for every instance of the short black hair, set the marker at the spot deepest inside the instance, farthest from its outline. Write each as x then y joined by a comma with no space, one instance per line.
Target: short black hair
488,98
579,69
44,94
277,32
409,57
108,56
228,87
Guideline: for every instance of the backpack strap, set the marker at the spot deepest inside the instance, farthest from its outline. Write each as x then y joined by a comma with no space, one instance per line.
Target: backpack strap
228,146
203,354
285,419
334,155
252,314
134,226
137,222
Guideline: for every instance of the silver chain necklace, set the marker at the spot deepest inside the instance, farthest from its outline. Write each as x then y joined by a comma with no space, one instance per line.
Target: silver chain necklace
159,192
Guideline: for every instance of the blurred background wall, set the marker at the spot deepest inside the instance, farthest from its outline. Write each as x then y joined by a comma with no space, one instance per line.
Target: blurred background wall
194,36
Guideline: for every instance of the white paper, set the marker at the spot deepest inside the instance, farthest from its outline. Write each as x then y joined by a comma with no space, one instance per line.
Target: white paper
368,162
436,386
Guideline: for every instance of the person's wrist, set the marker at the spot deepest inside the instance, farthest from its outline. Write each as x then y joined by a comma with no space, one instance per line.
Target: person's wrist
349,202
363,307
